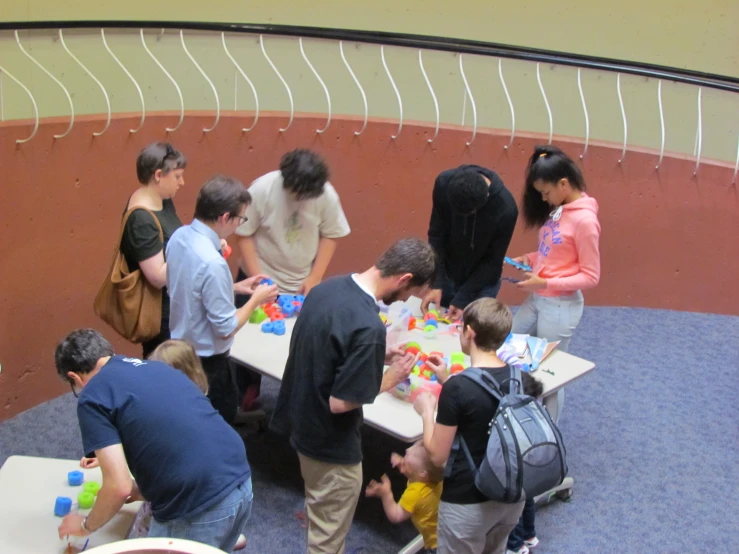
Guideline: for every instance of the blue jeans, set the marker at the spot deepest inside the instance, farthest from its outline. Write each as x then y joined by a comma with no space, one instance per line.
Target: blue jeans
449,290
525,529
219,526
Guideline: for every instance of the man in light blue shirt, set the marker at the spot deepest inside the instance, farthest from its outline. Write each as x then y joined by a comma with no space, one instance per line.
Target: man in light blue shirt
201,288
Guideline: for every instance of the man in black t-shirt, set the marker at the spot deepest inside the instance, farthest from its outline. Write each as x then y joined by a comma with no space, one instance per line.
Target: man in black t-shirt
469,523
335,365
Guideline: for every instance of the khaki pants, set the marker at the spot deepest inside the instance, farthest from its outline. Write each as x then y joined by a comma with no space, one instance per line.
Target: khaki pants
476,528
331,495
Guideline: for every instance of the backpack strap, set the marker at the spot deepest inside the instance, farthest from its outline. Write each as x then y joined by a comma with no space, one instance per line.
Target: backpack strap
514,379
488,383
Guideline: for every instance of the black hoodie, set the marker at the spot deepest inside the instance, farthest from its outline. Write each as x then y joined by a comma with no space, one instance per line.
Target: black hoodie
471,248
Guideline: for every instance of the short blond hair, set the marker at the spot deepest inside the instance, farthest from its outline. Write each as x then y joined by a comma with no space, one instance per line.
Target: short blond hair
180,355
434,472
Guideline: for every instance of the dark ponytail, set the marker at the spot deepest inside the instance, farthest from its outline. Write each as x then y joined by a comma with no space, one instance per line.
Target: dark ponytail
550,165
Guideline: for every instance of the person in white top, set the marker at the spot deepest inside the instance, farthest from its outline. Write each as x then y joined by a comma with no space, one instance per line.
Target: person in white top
292,224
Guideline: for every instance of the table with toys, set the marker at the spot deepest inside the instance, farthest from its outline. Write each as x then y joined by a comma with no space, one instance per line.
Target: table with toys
266,351
38,492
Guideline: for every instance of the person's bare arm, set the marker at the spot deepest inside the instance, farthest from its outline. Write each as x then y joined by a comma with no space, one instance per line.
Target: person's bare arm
116,489
393,511
338,406
437,438
261,295
326,249
155,269
248,255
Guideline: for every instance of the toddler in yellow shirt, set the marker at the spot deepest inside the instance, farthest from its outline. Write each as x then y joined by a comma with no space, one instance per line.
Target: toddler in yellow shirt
420,501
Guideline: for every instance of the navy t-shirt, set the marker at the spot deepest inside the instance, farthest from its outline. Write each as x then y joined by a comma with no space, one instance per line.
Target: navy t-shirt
184,456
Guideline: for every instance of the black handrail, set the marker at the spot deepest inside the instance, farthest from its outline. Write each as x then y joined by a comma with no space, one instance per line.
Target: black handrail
697,78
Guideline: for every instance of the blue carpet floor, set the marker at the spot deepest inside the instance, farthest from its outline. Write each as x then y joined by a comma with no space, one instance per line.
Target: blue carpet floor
652,437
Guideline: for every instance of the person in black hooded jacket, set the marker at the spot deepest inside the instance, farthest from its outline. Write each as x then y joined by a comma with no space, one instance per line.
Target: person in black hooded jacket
472,221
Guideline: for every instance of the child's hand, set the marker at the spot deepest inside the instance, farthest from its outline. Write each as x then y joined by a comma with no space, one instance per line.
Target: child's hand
378,489
396,460
437,364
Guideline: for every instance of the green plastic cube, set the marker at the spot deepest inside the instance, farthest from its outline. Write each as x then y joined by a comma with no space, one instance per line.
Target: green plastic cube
257,316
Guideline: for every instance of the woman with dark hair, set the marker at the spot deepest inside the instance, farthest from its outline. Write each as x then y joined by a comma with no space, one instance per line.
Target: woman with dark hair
566,262
160,169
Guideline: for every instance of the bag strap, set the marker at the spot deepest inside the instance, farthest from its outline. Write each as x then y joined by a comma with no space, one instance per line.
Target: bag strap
485,380
515,379
128,214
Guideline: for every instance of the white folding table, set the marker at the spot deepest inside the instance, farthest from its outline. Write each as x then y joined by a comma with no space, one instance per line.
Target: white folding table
267,354
29,487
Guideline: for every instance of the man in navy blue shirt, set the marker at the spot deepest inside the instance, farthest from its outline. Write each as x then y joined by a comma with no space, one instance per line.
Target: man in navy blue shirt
146,419
201,288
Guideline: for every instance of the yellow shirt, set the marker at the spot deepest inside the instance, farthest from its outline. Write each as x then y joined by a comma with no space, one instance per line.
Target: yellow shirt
421,500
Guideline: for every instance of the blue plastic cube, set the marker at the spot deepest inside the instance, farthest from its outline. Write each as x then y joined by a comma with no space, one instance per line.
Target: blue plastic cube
75,478
300,298
62,506
267,327
278,327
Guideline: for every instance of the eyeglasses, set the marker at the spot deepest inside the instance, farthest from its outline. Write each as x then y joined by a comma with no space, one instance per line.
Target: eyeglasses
74,391
242,219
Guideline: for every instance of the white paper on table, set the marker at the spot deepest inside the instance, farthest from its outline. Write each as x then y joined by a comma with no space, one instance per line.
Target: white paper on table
519,344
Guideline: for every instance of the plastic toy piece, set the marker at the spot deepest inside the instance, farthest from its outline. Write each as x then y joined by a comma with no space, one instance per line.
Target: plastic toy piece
92,487
429,332
412,350
456,368
411,323
257,316
429,316
457,358
269,282
431,322
288,311
85,500
278,327
522,267
277,316
226,252
300,298
75,478
413,344
62,506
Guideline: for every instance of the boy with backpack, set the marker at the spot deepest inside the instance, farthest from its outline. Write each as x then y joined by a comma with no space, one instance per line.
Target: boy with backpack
420,501
486,456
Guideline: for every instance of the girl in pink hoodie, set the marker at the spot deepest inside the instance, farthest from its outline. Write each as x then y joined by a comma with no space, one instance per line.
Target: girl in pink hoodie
566,262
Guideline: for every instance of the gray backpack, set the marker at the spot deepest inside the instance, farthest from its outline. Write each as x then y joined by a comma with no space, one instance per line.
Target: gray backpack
525,455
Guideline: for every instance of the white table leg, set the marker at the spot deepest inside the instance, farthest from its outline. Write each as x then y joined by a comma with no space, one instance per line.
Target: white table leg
416,545
563,492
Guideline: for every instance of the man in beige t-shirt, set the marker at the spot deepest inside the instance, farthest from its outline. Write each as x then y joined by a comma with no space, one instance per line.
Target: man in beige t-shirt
293,222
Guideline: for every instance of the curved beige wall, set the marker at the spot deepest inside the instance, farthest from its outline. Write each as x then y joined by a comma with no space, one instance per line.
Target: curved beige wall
698,35
703,36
